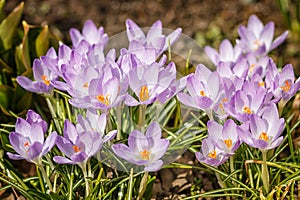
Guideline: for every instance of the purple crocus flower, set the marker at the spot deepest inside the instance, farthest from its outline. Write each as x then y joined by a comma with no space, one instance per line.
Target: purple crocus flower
226,136
144,149
28,139
205,90
154,38
94,122
265,130
227,53
210,153
78,147
287,86
148,82
90,33
258,38
244,103
43,77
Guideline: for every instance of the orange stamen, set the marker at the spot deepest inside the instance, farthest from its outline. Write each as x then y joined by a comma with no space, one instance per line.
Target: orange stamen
104,100
45,80
262,84
264,136
76,148
145,154
202,93
26,144
144,93
228,142
85,85
246,109
251,68
212,154
286,87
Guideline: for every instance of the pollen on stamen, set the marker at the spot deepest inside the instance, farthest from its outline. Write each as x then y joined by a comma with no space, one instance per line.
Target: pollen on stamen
144,93
228,143
247,110
202,93
262,84
85,85
26,144
212,154
257,44
76,148
286,87
251,68
105,100
45,80
264,136
145,154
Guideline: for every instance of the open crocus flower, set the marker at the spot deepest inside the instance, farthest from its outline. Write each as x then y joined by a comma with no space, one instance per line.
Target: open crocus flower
227,53
90,34
144,149
287,86
226,136
94,122
265,130
155,39
78,147
148,82
210,153
245,103
42,76
28,139
204,88
258,38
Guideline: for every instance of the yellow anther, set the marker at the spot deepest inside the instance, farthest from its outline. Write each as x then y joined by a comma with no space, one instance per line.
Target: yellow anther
212,154
202,93
145,154
144,93
228,142
104,100
26,144
45,80
262,84
246,109
264,136
85,85
76,148
286,87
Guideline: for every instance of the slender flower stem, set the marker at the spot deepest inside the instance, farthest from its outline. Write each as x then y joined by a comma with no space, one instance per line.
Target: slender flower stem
44,174
143,186
231,163
142,116
221,183
85,174
264,171
119,122
53,113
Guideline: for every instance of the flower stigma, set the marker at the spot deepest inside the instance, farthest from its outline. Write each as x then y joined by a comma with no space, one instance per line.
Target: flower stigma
76,148
264,136
212,154
247,110
145,154
45,80
85,85
104,100
286,87
144,93
202,93
26,144
228,143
